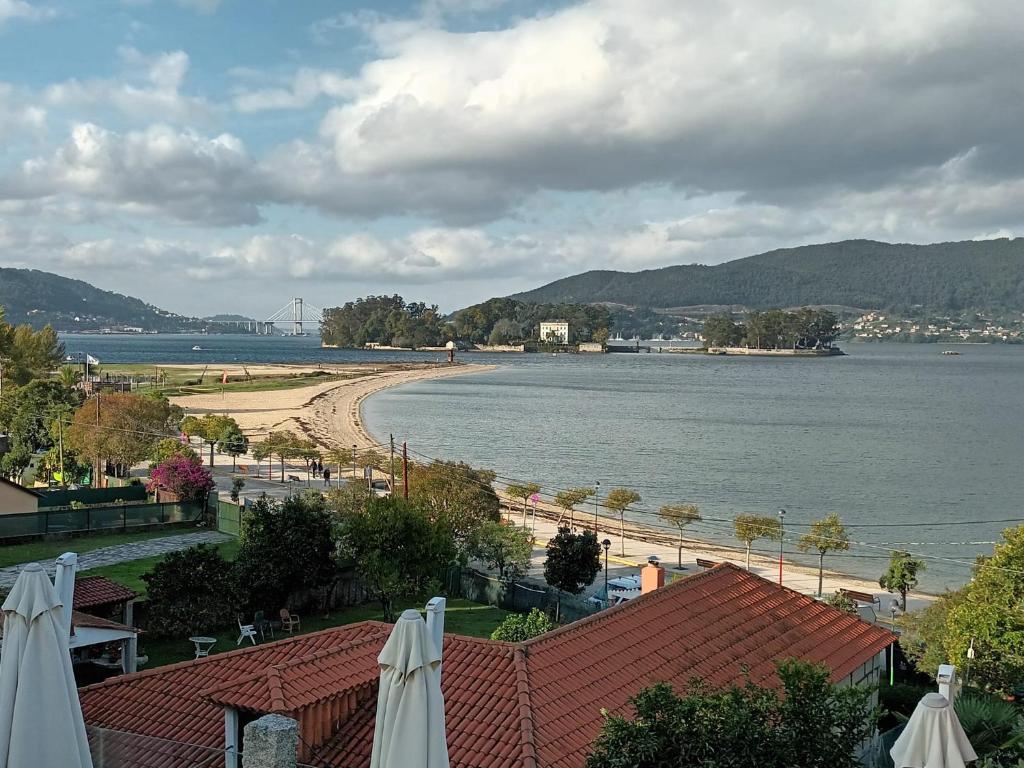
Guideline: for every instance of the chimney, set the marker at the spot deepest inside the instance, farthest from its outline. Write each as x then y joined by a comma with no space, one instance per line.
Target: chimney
652,576
64,583
435,624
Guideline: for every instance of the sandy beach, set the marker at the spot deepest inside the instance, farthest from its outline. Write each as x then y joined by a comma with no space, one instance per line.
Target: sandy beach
327,413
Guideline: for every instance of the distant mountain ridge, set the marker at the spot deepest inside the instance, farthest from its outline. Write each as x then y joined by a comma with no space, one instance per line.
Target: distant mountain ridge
982,274
41,298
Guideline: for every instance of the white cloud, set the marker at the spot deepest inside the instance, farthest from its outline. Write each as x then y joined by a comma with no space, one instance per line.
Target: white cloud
306,86
180,175
19,9
150,88
16,115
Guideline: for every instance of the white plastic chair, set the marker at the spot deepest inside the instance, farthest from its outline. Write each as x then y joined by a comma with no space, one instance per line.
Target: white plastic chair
246,631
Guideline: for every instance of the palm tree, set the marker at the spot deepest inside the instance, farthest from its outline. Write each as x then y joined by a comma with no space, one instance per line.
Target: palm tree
69,376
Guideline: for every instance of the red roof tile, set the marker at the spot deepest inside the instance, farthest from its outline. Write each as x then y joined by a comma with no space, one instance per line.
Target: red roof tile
530,704
91,591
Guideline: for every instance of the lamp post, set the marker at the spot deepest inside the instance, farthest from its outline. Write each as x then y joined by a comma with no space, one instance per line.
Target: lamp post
894,606
354,449
782,539
597,496
533,526
607,543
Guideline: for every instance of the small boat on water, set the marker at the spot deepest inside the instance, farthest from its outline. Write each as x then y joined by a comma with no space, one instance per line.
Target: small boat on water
197,348
950,352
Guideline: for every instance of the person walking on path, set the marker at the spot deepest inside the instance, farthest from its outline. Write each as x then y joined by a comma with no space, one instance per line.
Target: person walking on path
327,477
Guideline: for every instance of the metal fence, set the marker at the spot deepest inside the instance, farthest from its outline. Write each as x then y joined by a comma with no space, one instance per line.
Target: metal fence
229,517
518,596
121,517
59,497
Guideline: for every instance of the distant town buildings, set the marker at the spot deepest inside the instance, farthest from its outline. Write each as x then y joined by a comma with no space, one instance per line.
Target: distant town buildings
968,327
555,331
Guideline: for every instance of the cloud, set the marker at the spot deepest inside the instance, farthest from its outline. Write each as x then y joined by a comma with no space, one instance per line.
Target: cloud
306,86
720,96
180,175
151,87
16,115
19,9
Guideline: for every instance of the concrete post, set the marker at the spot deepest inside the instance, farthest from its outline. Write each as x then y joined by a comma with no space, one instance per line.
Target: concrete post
271,742
64,584
435,624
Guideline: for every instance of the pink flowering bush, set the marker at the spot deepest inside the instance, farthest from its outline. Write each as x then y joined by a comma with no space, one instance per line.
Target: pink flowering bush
184,476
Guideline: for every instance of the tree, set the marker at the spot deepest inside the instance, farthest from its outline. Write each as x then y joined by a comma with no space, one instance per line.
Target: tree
522,492
184,476
283,445
26,354
398,547
121,428
457,493
507,548
901,575
573,560
339,457
285,547
569,500
619,499
168,447
29,415
680,516
826,535
190,592
518,627
720,330
212,428
985,613
842,602
506,331
811,723
237,484
234,443
750,528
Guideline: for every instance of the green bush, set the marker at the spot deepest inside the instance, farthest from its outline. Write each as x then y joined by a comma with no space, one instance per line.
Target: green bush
518,627
993,726
190,592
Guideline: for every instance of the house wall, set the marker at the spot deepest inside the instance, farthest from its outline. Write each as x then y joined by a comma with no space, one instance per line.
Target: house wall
17,502
561,329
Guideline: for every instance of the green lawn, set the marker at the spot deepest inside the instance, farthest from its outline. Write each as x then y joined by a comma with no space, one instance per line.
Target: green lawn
461,618
40,551
130,573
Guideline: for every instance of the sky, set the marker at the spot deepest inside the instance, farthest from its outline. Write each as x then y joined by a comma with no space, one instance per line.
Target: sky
225,155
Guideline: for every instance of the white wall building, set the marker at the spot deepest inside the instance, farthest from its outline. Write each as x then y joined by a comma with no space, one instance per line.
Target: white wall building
555,330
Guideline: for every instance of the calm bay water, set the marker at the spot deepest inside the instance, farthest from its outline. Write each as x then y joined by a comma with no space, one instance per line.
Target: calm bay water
897,439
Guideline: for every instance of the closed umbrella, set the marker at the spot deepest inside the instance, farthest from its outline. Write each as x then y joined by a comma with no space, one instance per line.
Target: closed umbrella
40,716
933,737
410,709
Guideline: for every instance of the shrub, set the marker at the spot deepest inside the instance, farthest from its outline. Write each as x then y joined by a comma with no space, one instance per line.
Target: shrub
518,627
184,476
190,592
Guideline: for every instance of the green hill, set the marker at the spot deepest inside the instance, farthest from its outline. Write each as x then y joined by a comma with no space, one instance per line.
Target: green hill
41,298
985,274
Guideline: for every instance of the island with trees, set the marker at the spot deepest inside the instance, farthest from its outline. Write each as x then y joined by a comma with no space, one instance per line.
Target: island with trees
804,332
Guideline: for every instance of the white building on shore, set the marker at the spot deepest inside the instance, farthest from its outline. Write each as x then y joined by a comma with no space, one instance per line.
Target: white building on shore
556,331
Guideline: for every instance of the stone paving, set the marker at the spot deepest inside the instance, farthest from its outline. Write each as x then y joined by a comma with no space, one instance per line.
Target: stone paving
120,553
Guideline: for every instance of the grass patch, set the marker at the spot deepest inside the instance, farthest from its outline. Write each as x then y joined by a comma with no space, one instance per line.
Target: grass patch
462,617
269,384
130,573
39,551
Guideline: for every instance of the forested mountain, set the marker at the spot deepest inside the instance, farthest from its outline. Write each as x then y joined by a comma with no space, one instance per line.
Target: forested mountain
41,298
984,274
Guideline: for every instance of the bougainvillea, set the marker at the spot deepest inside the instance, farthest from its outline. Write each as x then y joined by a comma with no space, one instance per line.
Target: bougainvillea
184,476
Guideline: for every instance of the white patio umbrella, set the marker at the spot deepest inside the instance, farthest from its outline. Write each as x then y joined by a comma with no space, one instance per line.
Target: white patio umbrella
410,708
933,737
40,716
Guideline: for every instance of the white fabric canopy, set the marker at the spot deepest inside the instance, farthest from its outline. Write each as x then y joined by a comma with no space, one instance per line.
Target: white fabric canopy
41,721
410,729
933,737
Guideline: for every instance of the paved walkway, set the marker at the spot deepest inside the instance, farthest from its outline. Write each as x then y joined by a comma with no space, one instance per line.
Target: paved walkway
120,553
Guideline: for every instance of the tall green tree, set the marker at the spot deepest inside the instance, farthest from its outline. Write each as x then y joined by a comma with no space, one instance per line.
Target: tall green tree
28,415
721,331
456,492
750,528
26,354
619,500
522,492
190,592
811,723
573,560
568,500
986,613
282,444
901,575
286,547
679,516
211,428
399,548
506,548
826,535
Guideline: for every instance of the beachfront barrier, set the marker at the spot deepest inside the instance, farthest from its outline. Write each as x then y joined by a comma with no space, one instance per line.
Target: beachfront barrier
114,518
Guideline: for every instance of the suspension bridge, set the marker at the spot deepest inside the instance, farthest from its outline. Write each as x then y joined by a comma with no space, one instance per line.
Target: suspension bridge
296,318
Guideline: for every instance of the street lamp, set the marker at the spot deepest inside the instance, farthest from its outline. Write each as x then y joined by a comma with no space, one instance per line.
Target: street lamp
597,496
782,538
607,543
354,449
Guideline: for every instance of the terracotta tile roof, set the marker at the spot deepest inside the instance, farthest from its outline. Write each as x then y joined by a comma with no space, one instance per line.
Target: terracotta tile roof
530,705
91,591
79,619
